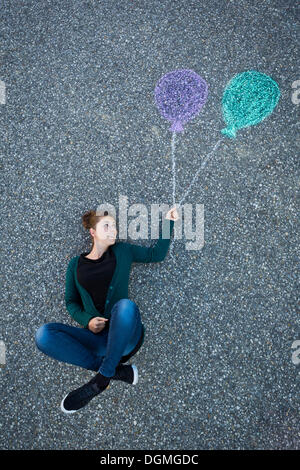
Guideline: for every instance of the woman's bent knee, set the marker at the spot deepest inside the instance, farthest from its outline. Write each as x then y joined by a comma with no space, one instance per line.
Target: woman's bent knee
126,307
42,334
126,303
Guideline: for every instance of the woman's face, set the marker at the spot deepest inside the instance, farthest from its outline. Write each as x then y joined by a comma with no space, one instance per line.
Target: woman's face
106,231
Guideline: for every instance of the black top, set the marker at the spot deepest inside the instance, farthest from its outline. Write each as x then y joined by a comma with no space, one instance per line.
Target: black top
95,276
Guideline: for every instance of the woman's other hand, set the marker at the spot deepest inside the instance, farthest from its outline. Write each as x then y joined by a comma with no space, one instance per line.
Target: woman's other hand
97,324
172,214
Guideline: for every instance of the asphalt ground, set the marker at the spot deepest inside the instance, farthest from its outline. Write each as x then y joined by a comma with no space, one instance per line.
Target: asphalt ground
79,127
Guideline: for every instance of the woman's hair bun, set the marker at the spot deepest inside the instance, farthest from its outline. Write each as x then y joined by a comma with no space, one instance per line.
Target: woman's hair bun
87,217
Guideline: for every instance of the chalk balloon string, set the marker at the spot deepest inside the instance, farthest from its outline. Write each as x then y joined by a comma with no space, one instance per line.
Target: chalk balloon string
173,165
203,164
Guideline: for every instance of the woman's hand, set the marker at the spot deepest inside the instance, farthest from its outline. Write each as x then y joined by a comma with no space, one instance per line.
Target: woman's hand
97,324
172,214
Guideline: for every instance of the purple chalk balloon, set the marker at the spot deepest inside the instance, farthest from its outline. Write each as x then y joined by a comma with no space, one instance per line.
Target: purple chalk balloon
180,95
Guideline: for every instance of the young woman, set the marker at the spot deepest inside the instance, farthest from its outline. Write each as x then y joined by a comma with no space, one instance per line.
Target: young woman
96,297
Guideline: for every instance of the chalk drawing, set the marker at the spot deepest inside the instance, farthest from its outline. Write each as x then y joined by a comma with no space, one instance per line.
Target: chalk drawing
179,96
248,98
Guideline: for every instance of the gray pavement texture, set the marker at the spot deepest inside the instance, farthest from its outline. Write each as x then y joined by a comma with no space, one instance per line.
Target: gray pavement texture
80,127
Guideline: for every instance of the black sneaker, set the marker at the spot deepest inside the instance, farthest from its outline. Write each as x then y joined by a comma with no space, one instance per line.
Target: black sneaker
80,397
127,373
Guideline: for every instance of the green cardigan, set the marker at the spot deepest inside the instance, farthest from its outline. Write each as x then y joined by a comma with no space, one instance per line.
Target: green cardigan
78,301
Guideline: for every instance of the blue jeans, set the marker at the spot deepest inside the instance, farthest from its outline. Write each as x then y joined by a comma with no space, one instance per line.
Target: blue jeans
100,352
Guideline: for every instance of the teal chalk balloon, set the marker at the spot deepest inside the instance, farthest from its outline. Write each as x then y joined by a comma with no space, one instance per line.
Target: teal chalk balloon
248,98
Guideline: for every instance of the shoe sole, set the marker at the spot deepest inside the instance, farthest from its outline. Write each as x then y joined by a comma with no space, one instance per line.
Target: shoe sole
63,409
135,374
